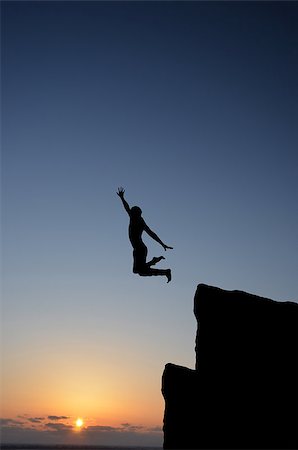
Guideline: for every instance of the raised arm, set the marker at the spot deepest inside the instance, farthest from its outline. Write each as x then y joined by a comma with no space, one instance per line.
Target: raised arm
155,237
125,204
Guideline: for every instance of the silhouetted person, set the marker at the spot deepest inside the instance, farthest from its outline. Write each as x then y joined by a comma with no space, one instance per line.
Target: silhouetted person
136,227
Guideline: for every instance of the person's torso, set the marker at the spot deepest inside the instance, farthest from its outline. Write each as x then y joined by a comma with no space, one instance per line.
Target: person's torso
135,230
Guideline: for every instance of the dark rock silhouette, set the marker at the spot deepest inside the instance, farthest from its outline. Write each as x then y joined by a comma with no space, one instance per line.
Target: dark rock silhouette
243,392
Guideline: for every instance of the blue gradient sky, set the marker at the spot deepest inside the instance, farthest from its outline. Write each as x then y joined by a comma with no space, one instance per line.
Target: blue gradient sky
192,107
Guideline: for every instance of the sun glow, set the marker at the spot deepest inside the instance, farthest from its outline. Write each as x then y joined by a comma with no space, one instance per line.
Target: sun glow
79,423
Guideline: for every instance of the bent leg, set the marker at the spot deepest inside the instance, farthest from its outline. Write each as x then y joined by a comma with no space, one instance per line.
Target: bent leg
154,261
144,269
139,259
155,272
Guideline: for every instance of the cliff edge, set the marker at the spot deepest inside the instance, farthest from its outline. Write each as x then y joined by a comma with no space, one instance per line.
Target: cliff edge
243,391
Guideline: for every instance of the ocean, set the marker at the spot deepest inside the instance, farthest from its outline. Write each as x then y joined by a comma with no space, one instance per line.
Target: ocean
72,447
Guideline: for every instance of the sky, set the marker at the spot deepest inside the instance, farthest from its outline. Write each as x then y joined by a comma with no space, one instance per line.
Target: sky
192,108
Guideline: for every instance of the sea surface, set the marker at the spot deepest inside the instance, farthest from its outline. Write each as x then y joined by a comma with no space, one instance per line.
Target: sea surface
73,447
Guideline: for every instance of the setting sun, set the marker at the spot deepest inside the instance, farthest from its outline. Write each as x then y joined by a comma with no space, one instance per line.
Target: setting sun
79,423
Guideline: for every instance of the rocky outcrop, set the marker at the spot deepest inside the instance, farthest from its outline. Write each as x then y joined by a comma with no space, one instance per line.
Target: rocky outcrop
243,391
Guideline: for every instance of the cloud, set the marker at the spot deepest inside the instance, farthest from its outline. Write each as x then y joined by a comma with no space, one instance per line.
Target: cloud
155,429
129,427
100,428
10,422
58,426
58,417
35,419
36,430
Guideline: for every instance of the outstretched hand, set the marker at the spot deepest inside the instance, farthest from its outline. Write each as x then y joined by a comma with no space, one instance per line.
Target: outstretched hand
121,192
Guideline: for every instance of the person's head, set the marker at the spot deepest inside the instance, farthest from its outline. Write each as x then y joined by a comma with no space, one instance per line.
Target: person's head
136,211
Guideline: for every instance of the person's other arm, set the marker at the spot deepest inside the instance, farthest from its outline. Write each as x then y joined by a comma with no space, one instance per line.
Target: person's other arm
155,237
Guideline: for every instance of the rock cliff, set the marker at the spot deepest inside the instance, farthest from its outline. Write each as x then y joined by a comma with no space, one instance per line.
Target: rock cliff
243,391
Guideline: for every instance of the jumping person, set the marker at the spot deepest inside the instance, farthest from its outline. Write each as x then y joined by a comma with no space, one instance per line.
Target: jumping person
136,227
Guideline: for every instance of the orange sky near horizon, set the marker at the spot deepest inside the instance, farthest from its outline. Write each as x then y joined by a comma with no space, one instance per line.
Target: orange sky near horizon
72,382
99,393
